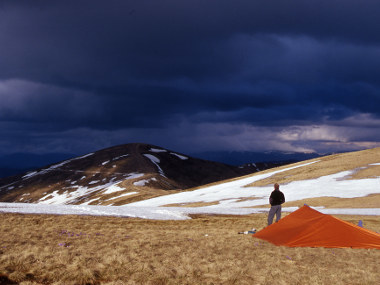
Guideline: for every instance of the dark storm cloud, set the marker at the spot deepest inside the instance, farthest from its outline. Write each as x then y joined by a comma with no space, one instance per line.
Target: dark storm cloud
116,65
164,39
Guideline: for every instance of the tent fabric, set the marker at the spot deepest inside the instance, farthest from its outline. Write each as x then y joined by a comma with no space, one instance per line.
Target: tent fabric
307,227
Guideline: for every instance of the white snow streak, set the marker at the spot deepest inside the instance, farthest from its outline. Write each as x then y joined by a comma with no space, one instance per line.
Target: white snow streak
113,188
179,156
123,195
53,167
121,156
157,150
156,162
144,182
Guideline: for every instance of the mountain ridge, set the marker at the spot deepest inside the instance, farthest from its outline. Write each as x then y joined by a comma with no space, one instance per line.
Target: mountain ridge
117,175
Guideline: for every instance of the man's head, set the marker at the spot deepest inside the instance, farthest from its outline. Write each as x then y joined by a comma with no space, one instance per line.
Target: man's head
276,186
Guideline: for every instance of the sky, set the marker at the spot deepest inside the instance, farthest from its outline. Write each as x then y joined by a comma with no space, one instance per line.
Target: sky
190,76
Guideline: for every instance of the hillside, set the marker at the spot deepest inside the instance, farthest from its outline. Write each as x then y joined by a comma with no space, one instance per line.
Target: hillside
346,180
347,183
117,176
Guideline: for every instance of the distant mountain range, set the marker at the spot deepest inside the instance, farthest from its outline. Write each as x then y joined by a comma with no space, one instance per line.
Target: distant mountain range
116,176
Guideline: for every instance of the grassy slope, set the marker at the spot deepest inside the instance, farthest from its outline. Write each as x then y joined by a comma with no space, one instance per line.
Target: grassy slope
360,161
37,249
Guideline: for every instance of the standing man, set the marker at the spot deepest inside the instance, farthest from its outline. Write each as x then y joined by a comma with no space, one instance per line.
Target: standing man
276,199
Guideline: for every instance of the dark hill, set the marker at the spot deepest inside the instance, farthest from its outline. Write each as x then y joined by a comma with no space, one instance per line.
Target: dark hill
116,176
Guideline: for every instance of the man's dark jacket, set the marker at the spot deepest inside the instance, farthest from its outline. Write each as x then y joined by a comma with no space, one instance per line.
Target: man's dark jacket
276,198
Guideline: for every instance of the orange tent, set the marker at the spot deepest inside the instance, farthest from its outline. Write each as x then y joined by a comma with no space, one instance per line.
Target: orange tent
309,228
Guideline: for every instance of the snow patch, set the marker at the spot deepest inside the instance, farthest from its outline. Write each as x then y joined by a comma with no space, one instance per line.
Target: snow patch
123,195
53,167
157,150
90,201
86,155
134,175
179,156
121,156
30,174
156,161
113,188
55,198
152,158
144,182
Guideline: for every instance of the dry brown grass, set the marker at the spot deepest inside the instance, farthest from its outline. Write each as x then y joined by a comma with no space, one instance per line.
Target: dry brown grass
359,160
47,249
370,201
